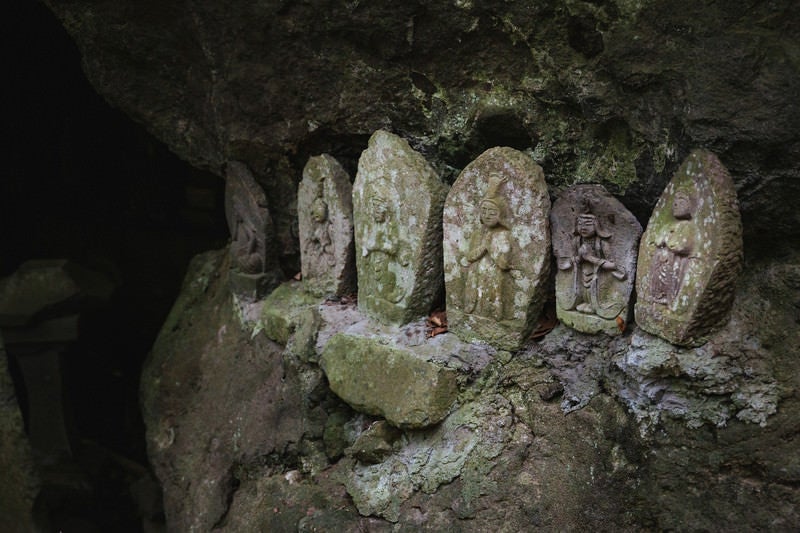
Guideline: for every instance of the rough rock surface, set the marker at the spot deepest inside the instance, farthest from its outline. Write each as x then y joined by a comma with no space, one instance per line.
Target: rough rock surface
611,92
574,431
615,92
216,400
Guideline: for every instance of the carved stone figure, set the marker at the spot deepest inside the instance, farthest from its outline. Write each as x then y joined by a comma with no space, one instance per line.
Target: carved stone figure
489,287
691,254
496,248
397,203
254,266
325,223
595,241
676,249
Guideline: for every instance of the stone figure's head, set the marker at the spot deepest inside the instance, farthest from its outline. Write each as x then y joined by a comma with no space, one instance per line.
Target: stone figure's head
493,205
490,213
319,210
587,224
682,205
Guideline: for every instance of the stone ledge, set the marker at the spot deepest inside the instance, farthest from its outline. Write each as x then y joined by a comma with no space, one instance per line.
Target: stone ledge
394,382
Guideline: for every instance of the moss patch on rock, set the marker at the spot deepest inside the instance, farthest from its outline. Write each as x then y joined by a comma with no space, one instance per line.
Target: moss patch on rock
392,382
282,310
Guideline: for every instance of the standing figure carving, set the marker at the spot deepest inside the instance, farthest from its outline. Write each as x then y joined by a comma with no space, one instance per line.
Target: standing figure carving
489,287
691,254
496,248
594,240
321,243
325,227
247,246
383,248
397,208
676,248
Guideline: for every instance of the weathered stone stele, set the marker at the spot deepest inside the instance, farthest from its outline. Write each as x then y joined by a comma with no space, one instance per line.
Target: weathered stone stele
496,248
691,254
255,269
595,243
390,381
325,224
397,205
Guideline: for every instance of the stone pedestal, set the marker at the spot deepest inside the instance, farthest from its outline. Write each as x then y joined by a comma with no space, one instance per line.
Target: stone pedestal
19,482
39,310
49,424
282,308
394,382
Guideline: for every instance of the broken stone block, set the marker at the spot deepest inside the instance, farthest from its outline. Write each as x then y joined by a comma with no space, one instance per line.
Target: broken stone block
283,309
595,243
691,254
255,270
375,378
325,226
496,248
397,203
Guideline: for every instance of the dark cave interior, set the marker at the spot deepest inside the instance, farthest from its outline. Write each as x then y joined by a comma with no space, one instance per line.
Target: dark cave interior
81,181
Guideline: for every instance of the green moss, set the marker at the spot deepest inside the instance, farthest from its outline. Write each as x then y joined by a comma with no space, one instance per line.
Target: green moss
282,310
388,381
611,158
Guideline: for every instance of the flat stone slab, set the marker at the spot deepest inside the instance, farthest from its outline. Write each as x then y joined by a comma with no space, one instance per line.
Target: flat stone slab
409,391
691,254
595,243
496,248
325,227
397,203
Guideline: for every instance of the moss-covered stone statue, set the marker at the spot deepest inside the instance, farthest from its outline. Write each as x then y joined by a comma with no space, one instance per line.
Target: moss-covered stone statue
254,264
397,204
691,254
325,224
496,248
595,240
